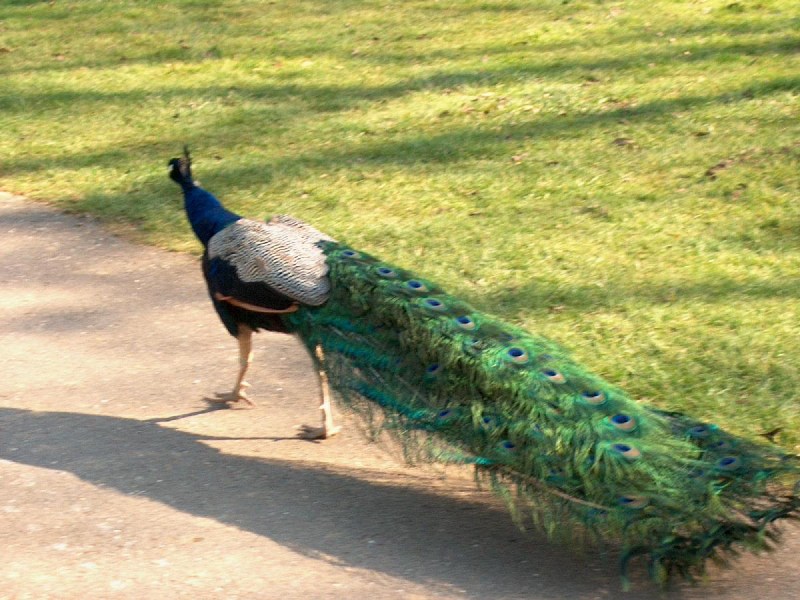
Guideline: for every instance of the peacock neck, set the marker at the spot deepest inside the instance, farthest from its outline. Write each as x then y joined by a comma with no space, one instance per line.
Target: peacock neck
206,214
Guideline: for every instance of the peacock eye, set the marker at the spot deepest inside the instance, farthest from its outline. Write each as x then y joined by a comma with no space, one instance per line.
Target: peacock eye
508,446
434,304
633,501
517,355
554,376
721,445
488,422
626,450
699,431
350,254
416,286
623,422
446,415
595,398
465,322
729,463
433,371
386,272
474,346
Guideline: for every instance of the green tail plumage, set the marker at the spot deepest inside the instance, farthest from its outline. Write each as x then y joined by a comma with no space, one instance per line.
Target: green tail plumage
559,443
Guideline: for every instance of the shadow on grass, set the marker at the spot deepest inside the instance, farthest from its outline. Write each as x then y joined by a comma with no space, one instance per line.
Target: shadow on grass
421,536
588,298
455,144
330,98
693,48
399,49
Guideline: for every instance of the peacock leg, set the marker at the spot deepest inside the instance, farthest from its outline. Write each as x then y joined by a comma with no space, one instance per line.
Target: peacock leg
245,339
328,429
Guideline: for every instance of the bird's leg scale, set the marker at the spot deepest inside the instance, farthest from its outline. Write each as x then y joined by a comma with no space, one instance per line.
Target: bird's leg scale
239,393
328,429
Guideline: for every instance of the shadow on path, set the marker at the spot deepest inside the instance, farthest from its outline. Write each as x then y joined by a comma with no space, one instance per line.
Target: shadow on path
397,529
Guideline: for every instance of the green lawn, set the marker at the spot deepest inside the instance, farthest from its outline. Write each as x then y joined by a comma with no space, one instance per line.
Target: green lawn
619,176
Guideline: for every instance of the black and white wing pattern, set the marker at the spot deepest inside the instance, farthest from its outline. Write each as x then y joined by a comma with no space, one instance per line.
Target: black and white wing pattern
270,265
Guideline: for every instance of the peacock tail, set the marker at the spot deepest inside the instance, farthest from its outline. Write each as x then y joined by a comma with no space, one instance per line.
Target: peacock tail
565,449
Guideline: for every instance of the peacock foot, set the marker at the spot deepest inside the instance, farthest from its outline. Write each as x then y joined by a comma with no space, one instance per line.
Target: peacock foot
307,432
239,394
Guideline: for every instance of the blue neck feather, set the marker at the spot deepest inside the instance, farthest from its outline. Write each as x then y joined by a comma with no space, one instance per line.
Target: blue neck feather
206,214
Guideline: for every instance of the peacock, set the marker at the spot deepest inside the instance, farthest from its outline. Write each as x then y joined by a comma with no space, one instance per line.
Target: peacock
566,450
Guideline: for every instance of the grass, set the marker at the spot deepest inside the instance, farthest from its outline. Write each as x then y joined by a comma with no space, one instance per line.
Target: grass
619,176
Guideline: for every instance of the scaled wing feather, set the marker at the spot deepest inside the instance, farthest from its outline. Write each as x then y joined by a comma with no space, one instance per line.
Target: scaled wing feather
283,254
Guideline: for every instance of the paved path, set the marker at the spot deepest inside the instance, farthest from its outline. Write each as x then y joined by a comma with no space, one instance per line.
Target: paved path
117,479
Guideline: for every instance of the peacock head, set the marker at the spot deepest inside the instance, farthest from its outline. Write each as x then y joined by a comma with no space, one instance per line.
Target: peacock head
180,169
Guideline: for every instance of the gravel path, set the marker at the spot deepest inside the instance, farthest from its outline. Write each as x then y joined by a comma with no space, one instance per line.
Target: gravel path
118,480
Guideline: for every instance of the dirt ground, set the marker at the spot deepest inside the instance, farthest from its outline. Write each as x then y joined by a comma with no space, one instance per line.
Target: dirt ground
118,480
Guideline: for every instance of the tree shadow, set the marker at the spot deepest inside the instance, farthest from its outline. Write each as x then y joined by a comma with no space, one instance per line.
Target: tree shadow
300,98
543,296
455,144
694,47
426,537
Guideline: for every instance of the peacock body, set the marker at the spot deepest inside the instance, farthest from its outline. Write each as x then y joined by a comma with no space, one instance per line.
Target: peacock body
558,443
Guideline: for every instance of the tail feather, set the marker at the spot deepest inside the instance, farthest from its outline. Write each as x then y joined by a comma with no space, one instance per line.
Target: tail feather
557,442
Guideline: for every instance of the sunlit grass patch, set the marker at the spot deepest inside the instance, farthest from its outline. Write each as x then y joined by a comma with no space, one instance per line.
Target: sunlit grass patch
622,177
